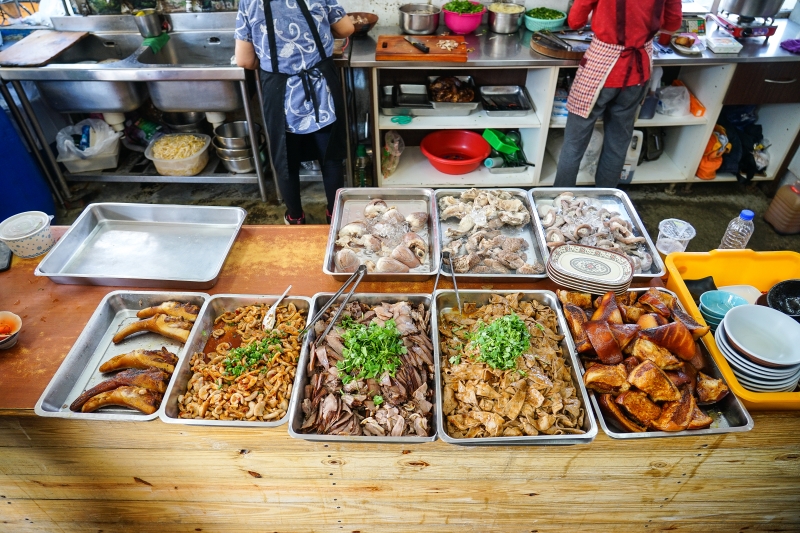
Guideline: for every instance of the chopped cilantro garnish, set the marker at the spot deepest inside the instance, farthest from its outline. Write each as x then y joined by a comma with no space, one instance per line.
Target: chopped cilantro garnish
455,360
377,400
369,351
242,359
501,342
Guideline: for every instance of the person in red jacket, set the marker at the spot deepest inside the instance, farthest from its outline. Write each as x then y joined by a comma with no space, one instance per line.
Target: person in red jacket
612,80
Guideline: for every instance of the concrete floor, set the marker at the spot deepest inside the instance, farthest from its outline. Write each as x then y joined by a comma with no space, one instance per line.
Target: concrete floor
707,206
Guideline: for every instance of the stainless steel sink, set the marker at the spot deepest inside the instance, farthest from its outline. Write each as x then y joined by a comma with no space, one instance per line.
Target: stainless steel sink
96,96
194,50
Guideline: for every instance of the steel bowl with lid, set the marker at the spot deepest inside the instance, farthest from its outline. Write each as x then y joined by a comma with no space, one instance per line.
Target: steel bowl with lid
505,17
419,19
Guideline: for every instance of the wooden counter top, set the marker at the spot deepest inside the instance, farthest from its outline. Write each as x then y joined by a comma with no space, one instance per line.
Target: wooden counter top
89,476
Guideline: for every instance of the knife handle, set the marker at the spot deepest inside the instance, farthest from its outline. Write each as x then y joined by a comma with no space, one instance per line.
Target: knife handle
421,47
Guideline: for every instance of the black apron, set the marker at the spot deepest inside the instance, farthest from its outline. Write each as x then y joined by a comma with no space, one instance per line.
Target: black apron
273,86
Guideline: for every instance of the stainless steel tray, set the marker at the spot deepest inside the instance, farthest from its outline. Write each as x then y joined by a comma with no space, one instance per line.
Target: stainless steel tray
612,199
390,107
445,300
295,408
349,207
729,415
79,370
514,93
411,96
527,232
144,245
453,106
217,305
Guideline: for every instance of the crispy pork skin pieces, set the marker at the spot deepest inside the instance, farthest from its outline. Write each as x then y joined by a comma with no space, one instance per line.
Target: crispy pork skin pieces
677,415
581,299
612,410
151,379
700,420
710,390
652,301
602,339
606,379
624,333
648,378
175,309
170,327
638,407
675,337
679,315
576,318
161,359
608,310
644,349
137,398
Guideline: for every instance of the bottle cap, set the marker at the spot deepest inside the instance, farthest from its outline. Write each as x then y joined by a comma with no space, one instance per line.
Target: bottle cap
746,214
361,151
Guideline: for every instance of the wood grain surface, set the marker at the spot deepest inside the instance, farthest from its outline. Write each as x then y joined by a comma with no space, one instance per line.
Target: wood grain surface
396,48
60,475
39,48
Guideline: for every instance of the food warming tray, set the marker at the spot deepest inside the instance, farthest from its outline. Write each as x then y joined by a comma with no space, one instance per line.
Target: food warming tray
391,107
295,408
349,207
611,199
144,245
445,300
217,305
527,232
495,96
456,106
729,415
94,346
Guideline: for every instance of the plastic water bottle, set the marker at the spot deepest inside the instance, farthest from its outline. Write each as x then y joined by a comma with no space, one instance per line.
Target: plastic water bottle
739,231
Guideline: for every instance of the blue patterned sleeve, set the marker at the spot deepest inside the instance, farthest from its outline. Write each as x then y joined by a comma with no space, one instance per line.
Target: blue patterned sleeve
335,11
243,31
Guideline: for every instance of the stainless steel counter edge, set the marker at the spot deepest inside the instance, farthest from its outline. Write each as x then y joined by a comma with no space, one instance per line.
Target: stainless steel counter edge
132,71
513,51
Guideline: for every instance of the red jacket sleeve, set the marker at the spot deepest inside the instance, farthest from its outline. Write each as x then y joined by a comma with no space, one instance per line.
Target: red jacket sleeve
579,13
671,21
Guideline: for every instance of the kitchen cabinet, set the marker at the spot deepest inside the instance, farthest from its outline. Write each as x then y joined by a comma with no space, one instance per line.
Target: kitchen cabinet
764,83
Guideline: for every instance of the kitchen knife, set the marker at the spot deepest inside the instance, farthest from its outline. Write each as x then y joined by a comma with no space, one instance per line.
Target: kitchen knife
418,45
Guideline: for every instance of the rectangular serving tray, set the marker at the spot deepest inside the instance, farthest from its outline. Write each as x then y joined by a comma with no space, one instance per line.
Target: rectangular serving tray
79,370
528,233
453,106
514,93
392,196
729,415
296,407
445,300
144,245
215,306
612,199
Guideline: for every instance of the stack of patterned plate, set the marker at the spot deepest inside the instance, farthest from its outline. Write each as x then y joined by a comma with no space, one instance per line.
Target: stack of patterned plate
762,346
589,269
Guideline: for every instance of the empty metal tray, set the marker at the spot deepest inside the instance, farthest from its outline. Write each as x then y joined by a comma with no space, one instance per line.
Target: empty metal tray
94,346
144,245
412,96
506,100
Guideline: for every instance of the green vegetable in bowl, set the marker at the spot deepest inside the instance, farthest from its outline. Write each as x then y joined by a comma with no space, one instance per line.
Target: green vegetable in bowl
463,6
545,13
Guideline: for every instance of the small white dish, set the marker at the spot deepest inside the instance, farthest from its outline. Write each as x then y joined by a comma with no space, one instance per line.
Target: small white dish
8,340
748,292
763,335
697,47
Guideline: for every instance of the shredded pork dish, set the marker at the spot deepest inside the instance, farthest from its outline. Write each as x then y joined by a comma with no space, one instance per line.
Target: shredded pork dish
504,373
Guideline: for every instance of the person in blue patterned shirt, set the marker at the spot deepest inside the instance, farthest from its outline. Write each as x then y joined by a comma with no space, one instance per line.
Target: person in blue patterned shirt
290,44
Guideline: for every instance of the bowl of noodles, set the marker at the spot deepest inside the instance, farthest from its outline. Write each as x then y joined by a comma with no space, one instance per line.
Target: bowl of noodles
179,154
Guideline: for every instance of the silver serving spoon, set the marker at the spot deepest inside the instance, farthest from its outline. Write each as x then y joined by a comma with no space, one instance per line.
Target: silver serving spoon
269,318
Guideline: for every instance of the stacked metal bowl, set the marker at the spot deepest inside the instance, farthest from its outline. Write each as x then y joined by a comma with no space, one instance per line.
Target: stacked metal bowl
233,146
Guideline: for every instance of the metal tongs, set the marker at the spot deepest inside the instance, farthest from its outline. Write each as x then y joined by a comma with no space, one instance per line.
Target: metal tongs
553,39
269,318
358,275
446,255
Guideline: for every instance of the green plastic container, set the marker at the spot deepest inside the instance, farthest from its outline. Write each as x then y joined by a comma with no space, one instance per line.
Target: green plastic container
500,141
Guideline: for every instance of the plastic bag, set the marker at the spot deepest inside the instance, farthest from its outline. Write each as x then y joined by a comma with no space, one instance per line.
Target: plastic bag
390,154
588,166
674,101
47,9
104,139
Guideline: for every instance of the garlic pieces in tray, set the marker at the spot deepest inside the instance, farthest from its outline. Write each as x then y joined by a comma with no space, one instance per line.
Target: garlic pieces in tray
582,220
385,240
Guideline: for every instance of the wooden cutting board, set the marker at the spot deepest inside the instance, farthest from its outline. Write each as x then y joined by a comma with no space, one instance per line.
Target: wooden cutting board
396,48
39,48
547,49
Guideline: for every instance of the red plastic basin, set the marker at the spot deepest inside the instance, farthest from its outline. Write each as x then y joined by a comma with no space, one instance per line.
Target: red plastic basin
455,151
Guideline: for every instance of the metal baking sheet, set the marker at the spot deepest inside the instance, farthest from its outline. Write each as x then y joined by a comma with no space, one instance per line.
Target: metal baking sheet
509,93
611,199
527,232
217,305
412,96
144,245
296,411
350,205
79,371
444,301
453,106
729,415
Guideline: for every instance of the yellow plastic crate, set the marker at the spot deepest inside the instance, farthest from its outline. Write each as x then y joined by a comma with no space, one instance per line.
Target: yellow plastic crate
762,270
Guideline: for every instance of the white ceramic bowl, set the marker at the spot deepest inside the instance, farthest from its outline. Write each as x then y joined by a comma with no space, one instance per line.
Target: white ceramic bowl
763,335
740,363
27,234
7,317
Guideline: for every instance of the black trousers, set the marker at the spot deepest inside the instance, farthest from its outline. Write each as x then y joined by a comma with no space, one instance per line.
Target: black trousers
298,149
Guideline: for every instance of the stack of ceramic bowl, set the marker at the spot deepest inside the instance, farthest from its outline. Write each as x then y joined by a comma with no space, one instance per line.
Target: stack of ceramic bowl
232,143
714,305
762,346
589,269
